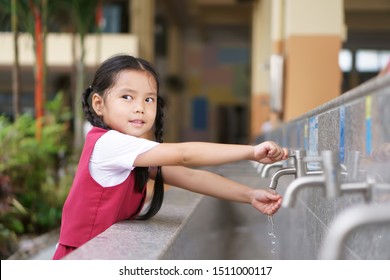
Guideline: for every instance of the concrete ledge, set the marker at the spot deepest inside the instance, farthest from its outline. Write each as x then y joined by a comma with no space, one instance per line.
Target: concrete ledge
143,239
189,226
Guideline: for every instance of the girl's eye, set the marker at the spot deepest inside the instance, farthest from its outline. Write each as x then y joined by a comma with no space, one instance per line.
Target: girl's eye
127,97
149,100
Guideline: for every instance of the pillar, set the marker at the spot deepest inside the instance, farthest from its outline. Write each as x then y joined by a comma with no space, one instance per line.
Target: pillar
314,30
175,97
142,25
261,50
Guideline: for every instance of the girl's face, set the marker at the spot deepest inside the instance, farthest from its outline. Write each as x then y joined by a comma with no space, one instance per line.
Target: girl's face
130,105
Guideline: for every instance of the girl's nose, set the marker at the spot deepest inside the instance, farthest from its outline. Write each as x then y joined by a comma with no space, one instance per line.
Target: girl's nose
139,108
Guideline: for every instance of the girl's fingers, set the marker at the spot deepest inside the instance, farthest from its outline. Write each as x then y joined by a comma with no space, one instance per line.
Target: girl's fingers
267,203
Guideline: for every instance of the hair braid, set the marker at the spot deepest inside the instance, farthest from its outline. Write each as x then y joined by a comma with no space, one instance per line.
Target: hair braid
159,123
158,193
89,113
85,104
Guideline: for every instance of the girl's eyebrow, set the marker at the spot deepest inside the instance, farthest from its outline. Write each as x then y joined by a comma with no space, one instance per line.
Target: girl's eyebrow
126,90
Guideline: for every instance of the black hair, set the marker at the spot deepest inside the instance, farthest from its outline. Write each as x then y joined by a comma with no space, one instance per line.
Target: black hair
105,78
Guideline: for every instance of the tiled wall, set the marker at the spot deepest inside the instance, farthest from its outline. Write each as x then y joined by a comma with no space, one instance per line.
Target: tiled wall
356,122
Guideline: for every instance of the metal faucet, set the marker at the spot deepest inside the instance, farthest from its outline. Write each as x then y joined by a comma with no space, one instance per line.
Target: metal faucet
292,189
346,222
367,188
298,169
265,170
364,187
259,167
353,159
332,172
330,178
281,172
355,173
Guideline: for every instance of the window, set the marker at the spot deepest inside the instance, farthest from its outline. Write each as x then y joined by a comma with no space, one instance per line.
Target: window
371,60
366,60
384,58
345,60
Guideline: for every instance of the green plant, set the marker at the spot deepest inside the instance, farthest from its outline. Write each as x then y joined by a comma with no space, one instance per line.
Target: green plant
38,172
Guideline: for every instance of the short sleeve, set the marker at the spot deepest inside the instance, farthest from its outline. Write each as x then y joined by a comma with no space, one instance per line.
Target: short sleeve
114,155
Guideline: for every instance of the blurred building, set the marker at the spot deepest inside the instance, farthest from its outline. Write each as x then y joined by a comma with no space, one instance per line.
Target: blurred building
225,64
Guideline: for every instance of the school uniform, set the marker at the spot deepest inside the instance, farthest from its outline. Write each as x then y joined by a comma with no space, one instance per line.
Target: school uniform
95,203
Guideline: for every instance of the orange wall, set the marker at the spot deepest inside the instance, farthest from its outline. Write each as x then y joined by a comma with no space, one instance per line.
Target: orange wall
312,75
259,113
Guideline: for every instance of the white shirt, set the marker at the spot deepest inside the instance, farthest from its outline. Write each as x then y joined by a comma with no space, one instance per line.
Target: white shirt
113,157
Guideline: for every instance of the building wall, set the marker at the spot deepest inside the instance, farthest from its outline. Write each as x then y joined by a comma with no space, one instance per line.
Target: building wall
217,91
60,63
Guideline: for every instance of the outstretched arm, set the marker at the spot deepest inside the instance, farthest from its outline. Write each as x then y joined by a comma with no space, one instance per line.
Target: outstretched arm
211,184
203,154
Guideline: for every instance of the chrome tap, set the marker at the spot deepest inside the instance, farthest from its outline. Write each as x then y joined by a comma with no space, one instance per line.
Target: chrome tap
331,167
292,189
265,170
355,172
281,172
260,167
299,163
294,160
367,188
353,161
363,187
347,221
329,179
299,168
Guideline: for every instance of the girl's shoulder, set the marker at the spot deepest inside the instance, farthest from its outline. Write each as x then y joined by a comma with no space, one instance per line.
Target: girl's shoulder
113,136
117,140
114,153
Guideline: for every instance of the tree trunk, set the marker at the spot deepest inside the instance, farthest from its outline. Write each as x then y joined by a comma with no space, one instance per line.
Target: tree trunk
44,33
16,66
79,119
38,39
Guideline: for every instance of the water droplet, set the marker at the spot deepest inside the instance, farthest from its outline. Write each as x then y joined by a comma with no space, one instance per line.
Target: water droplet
272,234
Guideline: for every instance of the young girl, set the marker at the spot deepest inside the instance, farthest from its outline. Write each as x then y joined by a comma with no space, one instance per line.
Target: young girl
123,105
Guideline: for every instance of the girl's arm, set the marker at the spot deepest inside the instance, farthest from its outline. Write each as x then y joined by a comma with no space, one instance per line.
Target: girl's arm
211,184
202,154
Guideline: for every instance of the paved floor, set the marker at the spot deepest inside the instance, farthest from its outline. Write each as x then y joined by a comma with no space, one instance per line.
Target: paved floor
37,248
44,254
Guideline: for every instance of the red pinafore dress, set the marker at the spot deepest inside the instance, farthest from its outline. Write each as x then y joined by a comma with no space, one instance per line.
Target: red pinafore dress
91,208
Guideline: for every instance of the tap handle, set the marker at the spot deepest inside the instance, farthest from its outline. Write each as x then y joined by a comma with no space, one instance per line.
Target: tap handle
331,167
313,158
296,159
356,164
299,162
331,170
260,167
313,162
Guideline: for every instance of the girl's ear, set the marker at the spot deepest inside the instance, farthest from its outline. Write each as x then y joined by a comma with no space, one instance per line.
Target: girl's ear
97,104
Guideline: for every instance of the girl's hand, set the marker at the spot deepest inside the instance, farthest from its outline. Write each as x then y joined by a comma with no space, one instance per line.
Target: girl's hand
269,152
266,202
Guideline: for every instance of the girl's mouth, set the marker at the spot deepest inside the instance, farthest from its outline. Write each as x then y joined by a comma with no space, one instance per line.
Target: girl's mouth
137,122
